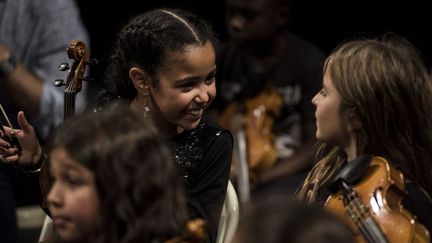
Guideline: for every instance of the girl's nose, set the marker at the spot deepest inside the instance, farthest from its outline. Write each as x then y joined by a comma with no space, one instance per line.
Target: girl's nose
54,197
315,99
203,95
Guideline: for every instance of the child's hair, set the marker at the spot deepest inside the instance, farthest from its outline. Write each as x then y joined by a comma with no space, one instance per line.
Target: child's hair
140,191
147,40
384,85
280,220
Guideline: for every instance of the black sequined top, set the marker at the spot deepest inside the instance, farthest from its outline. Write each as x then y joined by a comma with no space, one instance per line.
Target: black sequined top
203,156
190,149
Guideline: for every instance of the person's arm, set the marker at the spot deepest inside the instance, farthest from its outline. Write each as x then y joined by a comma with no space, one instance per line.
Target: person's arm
301,160
31,161
30,86
207,196
23,88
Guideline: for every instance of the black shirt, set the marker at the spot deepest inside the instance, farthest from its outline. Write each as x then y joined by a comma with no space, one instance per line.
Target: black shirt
204,158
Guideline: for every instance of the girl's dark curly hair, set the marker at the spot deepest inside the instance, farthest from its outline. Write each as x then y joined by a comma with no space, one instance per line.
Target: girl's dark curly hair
147,40
141,193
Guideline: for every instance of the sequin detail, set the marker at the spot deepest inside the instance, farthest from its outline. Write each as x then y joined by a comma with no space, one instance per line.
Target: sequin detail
191,147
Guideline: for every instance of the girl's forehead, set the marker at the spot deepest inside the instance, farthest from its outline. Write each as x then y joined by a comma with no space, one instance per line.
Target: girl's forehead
192,49
62,160
194,58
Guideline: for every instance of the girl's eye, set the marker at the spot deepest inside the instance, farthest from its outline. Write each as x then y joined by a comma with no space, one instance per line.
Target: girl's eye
186,87
322,92
210,80
73,181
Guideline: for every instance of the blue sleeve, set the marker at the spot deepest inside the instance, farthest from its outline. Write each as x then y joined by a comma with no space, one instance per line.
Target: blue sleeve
60,23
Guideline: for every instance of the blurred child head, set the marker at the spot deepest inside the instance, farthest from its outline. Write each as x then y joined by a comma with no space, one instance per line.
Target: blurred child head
280,220
114,180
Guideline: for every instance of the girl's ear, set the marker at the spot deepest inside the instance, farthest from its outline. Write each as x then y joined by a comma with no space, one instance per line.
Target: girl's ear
354,121
140,80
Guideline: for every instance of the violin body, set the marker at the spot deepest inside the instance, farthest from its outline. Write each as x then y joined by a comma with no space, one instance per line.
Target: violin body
256,118
196,232
380,191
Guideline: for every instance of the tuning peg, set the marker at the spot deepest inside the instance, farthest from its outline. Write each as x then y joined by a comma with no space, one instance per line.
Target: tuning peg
59,82
63,67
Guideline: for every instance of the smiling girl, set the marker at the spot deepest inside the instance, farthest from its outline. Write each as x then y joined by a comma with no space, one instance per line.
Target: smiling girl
163,64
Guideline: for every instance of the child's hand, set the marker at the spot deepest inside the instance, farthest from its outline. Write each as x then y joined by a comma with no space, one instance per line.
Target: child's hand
31,150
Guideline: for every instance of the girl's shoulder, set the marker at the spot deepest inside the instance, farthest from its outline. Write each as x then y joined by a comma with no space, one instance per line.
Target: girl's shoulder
212,128
203,135
206,131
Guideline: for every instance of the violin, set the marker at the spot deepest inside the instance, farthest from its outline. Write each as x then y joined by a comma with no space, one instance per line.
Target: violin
367,194
255,116
78,52
196,232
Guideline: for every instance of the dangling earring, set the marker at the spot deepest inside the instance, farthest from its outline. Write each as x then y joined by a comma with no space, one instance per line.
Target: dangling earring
146,107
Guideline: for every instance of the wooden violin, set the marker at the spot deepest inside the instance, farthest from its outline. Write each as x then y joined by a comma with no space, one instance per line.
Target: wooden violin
196,232
367,195
256,117
78,52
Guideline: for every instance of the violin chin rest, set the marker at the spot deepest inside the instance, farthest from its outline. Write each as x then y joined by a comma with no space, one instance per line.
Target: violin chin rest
351,173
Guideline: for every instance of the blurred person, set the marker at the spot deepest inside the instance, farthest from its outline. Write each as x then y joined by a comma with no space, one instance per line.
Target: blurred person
268,75
281,220
33,38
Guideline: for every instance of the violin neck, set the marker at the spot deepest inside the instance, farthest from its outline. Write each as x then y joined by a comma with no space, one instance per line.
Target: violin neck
362,218
371,231
69,104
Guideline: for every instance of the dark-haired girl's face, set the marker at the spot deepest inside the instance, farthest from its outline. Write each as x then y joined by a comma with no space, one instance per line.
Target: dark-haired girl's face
73,199
186,86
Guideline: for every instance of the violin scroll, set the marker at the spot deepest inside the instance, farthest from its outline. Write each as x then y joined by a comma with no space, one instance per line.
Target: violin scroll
77,51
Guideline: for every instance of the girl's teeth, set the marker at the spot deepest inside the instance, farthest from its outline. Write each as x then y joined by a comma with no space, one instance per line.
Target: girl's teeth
194,112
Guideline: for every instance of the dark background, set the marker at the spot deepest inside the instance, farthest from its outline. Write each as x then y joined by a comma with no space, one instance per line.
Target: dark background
324,23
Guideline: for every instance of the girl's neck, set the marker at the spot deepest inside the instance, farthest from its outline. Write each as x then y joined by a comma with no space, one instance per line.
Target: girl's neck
165,128
351,149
